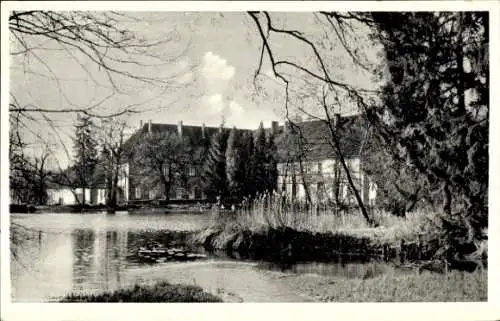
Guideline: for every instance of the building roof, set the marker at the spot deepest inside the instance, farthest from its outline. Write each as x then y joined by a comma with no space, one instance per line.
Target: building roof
314,137
192,134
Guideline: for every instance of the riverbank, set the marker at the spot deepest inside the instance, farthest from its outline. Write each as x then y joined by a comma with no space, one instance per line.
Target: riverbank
454,286
322,236
249,282
159,292
131,208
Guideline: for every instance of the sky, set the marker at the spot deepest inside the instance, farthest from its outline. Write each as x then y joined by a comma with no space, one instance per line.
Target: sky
209,60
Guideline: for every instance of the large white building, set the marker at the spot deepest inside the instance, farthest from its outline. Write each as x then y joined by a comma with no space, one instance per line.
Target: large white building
309,167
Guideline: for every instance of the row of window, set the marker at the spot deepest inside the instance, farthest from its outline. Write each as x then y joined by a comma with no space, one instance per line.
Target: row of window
178,193
316,167
191,170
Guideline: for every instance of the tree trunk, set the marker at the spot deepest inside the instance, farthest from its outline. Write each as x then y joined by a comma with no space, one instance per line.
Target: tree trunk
304,183
114,194
294,185
340,156
40,193
167,184
446,199
336,184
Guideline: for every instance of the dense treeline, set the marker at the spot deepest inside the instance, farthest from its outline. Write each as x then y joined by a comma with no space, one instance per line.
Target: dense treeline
240,165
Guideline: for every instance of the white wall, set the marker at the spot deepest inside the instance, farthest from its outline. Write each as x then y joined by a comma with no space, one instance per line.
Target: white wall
101,196
66,196
326,176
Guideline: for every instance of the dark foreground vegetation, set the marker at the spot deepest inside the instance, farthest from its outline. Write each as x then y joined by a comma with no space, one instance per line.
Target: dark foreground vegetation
160,292
271,232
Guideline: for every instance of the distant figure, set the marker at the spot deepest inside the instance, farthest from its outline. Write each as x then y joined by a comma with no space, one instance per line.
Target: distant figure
233,207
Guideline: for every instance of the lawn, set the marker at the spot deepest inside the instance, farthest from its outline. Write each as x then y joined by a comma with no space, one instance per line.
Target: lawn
454,286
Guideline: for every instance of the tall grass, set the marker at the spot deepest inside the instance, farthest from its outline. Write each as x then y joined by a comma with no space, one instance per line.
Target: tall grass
454,286
272,211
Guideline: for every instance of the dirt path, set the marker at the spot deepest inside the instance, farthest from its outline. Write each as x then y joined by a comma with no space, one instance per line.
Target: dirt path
233,281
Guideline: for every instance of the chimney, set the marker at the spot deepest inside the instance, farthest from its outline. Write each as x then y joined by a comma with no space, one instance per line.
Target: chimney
179,128
141,124
203,130
149,127
274,127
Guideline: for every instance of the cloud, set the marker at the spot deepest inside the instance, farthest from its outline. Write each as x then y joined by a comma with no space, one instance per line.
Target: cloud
216,103
235,108
215,68
242,117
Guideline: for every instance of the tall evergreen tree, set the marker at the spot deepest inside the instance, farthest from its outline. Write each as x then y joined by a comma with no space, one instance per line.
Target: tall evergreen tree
435,111
433,126
247,156
86,154
214,170
271,163
235,167
259,173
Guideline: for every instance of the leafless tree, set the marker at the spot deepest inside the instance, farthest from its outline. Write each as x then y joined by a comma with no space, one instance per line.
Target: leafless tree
112,136
30,176
106,48
317,69
101,38
161,161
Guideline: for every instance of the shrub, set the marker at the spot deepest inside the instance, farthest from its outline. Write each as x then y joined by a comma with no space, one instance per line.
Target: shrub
160,292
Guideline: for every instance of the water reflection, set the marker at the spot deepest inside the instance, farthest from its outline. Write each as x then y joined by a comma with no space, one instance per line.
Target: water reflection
99,259
51,260
55,264
350,270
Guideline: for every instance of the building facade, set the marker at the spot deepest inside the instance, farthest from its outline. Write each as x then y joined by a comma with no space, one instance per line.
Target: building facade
307,163
310,169
70,196
137,188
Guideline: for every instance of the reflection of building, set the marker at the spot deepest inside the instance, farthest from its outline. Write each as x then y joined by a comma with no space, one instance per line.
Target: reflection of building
83,247
99,259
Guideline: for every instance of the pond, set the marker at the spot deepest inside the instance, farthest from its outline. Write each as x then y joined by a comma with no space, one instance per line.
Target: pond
57,254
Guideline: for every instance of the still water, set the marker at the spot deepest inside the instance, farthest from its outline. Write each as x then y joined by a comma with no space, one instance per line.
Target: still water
57,254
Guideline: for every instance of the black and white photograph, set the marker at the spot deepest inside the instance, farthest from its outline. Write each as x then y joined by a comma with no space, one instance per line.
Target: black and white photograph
250,154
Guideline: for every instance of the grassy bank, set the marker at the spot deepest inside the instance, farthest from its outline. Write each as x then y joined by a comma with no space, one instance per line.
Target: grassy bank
311,232
454,286
160,292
